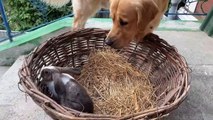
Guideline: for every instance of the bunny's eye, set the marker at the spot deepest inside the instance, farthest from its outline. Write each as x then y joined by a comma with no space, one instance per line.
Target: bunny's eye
46,72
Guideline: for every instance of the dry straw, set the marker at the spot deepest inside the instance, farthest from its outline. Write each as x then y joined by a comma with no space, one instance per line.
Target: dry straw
117,88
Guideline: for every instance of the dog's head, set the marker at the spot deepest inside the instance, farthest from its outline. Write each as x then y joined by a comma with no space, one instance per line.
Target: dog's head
130,20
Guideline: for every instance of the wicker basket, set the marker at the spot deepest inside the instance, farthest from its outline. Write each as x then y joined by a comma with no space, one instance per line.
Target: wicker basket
169,71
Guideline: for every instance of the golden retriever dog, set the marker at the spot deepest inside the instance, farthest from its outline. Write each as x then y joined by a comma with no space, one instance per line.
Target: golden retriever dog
132,19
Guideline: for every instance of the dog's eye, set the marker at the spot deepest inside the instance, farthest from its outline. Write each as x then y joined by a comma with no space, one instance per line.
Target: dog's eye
123,23
113,19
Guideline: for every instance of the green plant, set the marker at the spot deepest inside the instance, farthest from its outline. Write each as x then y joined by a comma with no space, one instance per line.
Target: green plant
1,24
22,14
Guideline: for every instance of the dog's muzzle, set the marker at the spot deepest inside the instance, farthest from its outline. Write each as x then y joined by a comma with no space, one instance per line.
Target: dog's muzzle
109,41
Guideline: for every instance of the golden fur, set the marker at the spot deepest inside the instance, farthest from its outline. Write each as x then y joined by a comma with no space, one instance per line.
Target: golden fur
132,19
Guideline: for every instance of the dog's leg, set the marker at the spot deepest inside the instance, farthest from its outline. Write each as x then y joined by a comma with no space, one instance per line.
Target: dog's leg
83,9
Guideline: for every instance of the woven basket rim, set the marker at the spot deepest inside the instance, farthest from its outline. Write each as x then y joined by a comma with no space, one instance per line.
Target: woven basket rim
33,92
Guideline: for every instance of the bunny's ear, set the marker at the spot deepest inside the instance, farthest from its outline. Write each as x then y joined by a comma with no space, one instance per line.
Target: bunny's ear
59,85
69,70
76,71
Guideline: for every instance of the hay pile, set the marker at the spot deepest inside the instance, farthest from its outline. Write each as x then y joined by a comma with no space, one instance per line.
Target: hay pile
116,87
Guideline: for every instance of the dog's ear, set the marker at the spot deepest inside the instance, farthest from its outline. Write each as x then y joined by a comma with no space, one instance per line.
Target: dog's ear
146,12
113,7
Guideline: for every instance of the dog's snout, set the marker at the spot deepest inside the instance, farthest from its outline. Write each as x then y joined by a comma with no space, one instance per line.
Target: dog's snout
109,41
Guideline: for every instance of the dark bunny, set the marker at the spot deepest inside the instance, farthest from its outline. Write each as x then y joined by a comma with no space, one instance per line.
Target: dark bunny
65,89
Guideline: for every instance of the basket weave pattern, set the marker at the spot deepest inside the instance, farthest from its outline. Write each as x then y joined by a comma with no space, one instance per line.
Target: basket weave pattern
168,71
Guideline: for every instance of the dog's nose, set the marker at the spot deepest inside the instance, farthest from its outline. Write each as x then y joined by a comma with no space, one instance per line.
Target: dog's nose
109,42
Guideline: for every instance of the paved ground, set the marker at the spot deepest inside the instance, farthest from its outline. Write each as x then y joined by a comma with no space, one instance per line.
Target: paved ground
13,103
3,69
196,47
198,105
